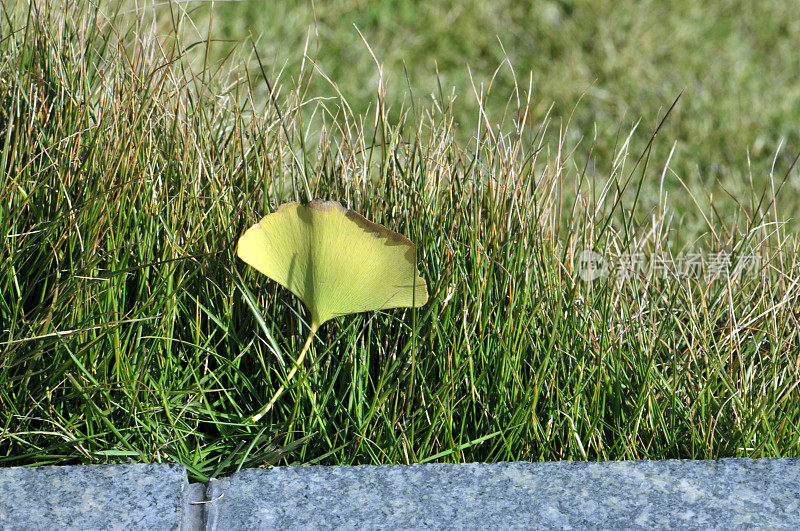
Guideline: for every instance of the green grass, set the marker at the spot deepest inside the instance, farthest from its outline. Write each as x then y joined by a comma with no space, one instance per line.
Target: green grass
132,160
734,60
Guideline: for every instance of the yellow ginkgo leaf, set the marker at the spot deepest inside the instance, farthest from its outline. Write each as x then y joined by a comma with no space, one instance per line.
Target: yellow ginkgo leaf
335,261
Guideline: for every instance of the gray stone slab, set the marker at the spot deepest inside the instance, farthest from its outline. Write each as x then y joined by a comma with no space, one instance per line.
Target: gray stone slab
724,494
93,497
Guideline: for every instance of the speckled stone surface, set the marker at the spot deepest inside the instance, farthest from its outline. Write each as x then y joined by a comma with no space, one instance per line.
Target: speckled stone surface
724,494
93,497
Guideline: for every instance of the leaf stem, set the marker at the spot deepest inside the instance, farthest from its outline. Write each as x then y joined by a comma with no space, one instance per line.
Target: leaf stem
282,388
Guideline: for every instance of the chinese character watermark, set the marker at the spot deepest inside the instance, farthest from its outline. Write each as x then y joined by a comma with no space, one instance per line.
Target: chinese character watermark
719,265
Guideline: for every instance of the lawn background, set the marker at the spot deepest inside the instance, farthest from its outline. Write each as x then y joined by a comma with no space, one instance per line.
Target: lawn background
135,152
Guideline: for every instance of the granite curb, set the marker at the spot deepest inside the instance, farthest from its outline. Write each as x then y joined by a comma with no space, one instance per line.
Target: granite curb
723,494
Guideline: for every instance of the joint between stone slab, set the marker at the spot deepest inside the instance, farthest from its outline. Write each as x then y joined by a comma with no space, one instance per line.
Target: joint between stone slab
198,507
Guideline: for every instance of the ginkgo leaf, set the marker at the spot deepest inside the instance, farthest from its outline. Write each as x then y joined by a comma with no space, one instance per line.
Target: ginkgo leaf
334,260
